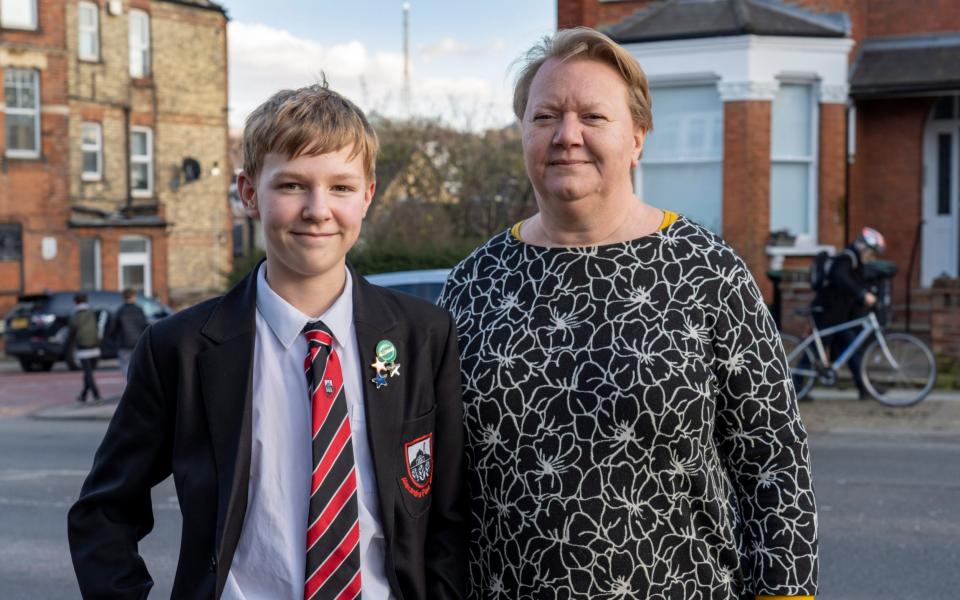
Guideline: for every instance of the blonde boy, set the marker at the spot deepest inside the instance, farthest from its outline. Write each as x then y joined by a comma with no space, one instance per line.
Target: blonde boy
312,421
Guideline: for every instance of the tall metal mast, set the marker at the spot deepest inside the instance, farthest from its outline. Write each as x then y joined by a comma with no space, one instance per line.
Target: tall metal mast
406,58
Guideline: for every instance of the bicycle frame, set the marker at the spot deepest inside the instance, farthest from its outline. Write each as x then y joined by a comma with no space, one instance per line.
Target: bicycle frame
869,325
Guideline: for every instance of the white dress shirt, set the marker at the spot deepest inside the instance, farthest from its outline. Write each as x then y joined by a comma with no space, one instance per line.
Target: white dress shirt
270,560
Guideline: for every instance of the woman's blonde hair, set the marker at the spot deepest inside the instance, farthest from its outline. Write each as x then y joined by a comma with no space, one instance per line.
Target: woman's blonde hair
308,121
584,43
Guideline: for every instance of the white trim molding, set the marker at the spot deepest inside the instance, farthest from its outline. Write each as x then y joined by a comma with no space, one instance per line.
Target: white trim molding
834,94
731,91
749,67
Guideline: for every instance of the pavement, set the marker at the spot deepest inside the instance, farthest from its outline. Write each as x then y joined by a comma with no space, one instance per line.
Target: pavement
831,411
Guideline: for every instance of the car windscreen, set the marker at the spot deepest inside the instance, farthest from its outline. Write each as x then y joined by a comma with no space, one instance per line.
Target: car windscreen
151,308
61,304
27,305
426,291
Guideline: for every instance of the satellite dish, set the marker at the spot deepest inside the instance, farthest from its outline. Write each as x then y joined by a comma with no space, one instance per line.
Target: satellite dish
191,169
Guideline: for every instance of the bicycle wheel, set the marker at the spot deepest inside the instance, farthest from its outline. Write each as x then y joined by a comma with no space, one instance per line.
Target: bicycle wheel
905,381
801,365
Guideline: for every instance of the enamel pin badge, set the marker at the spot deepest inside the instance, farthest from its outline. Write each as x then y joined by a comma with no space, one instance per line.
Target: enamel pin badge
386,365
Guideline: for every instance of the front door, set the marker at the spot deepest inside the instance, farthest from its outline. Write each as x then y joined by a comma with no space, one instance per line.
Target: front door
941,198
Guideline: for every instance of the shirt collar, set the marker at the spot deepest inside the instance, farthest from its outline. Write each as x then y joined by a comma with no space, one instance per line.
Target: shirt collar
287,323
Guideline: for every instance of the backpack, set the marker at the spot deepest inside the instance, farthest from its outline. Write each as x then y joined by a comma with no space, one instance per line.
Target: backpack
820,267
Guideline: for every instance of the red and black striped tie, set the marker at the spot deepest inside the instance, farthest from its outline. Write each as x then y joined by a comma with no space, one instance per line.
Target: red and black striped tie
333,532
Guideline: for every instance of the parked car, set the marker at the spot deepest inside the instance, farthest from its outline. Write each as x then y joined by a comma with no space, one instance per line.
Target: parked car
36,328
426,284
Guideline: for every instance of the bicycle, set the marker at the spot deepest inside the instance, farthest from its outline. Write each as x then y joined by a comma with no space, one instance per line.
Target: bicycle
897,369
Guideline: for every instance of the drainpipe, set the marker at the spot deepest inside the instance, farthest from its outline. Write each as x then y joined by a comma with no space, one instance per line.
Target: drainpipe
126,134
851,108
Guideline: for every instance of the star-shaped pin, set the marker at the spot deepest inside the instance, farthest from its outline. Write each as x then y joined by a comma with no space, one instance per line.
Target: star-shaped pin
380,380
379,366
394,369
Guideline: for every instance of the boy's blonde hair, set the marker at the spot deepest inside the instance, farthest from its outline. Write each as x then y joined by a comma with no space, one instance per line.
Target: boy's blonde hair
583,43
309,121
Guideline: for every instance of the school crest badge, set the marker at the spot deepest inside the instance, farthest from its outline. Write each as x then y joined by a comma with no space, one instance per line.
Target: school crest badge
419,458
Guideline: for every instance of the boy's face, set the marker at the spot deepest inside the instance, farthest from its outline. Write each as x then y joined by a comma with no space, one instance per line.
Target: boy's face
311,209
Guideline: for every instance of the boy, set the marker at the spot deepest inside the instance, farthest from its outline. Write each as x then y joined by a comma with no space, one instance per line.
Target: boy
312,422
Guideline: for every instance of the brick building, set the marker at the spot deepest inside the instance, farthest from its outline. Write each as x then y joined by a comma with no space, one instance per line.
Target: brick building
809,117
114,165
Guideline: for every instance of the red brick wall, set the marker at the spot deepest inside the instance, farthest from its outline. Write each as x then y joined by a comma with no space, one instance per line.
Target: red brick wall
886,187
593,13
32,191
832,174
908,17
746,183
945,321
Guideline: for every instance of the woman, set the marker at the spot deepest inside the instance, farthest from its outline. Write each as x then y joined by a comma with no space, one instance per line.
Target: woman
632,427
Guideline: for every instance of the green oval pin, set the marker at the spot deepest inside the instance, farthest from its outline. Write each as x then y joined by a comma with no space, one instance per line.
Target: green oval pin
386,351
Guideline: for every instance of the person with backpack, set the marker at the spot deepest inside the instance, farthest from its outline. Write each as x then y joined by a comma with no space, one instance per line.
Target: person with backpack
84,333
842,294
126,327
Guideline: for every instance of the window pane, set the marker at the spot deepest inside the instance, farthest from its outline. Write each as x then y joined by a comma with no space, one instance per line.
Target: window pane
11,90
139,42
694,190
11,242
91,163
21,132
139,177
792,121
89,249
133,246
28,97
688,123
790,197
138,143
132,276
91,134
944,164
18,13
88,15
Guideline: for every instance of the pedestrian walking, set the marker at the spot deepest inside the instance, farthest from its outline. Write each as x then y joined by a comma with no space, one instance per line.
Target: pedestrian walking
126,327
84,335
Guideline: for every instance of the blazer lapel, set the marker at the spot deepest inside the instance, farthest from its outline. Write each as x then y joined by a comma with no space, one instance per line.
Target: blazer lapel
225,373
375,321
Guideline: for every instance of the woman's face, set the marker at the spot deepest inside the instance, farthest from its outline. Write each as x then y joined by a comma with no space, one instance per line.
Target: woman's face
579,140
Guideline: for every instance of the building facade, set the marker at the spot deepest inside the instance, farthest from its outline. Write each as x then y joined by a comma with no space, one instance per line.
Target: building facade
788,125
114,155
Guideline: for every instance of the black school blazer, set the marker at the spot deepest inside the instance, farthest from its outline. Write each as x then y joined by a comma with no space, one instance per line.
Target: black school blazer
186,411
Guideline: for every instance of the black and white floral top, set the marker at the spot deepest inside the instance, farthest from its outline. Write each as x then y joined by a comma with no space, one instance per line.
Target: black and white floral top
632,428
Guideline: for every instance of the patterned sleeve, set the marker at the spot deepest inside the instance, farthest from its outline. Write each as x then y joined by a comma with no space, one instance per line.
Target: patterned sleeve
763,444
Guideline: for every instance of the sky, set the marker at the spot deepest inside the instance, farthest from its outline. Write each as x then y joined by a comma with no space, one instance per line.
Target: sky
460,53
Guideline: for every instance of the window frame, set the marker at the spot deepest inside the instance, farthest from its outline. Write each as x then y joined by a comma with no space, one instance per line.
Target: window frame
97,262
97,148
685,159
94,29
144,259
34,26
146,159
16,152
812,236
143,46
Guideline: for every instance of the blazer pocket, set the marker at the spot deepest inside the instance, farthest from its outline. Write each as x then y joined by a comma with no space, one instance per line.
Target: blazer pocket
417,463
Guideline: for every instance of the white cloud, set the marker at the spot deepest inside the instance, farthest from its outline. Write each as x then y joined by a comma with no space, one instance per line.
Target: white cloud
453,48
264,60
